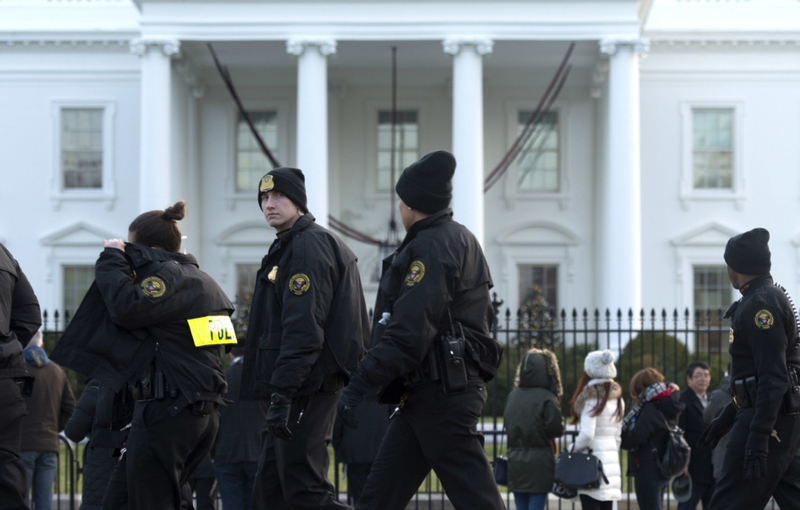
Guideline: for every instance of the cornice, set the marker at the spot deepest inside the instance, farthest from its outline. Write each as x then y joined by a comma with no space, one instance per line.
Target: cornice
668,42
109,43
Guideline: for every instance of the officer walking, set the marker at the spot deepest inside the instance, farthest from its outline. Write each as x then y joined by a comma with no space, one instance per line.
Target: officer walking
307,329
19,320
762,419
436,282
154,321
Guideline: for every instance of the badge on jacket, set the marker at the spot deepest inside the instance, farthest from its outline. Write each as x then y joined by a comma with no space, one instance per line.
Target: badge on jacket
273,274
299,284
730,338
764,319
416,271
154,287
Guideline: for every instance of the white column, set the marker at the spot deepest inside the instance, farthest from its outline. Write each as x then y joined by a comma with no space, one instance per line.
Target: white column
620,236
312,120
155,159
468,130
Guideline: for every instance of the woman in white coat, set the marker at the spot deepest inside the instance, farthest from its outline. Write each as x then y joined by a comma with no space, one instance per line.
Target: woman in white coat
597,405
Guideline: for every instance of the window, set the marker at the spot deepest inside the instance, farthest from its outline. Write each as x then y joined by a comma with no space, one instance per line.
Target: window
544,278
77,280
538,162
82,148
406,145
251,163
712,293
245,285
712,148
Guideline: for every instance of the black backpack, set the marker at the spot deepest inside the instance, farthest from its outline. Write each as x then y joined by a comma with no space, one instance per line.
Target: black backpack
677,453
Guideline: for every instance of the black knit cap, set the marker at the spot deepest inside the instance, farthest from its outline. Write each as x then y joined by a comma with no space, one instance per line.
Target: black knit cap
289,181
426,185
748,253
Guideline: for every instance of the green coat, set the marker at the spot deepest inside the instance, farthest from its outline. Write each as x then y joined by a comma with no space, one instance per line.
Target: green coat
532,419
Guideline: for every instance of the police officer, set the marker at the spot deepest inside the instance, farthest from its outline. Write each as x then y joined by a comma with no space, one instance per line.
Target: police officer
437,276
19,320
154,321
307,328
762,419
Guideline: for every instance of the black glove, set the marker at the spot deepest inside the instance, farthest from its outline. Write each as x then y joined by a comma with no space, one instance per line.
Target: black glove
755,456
719,427
352,396
278,416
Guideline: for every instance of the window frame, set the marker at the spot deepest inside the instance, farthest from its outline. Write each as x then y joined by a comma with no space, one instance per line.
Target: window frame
107,192
63,264
400,168
688,193
512,193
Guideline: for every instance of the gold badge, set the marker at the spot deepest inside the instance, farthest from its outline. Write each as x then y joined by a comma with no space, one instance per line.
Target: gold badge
266,184
730,338
273,274
153,287
764,319
416,271
299,284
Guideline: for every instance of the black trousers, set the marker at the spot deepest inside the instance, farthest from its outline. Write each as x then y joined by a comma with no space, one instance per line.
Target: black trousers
202,489
162,451
733,492
12,471
357,474
294,474
787,494
439,432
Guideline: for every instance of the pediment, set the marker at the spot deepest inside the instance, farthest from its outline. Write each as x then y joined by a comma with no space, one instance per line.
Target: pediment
249,233
78,234
711,234
539,233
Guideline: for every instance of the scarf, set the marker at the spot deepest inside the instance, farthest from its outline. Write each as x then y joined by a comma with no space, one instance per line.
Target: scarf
657,392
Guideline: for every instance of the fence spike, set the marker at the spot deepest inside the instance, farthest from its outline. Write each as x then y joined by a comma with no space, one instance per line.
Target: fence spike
508,313
608,314
664,313
686,313
564,313
675,314
653,313
619,313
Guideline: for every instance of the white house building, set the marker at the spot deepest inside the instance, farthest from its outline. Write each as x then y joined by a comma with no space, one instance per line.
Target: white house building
679,126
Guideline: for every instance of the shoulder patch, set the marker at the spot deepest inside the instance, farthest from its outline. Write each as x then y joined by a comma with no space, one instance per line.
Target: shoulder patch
764,319
415,274
154,287
299,284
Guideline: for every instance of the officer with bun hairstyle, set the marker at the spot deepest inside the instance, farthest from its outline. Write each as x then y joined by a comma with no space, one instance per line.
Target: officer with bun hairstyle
153,327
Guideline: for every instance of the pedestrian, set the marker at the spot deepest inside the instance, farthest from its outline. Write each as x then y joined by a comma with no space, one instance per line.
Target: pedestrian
306,331
598,406
717,401
153,321
700,468
765,360
49,407
532,420
645,433
434,291
20,318
238,443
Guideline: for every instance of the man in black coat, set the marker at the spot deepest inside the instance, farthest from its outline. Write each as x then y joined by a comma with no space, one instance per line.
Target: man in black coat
701,469
307,329
19,320
762,419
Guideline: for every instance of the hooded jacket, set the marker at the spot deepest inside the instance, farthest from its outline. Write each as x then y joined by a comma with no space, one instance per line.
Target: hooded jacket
19,317
647,439
532,419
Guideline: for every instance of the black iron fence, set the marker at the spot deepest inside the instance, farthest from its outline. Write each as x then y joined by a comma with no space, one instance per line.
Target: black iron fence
666,341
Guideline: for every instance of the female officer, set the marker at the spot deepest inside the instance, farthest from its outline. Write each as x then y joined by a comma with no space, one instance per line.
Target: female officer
154,321
437,277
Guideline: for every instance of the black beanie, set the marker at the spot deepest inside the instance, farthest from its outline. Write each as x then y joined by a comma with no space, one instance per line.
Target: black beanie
426,185
748,253
289,181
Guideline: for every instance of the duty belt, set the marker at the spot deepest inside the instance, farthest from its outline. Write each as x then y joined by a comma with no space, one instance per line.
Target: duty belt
429,370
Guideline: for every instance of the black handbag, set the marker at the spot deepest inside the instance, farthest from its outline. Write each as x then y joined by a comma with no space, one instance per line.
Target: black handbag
579,470
500,470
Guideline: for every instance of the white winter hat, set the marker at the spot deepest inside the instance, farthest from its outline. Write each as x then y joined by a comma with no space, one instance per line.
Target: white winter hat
600,365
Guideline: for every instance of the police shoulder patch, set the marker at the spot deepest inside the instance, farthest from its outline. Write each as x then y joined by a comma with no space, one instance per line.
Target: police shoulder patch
299,284
764,319
415,274
266,184
153,286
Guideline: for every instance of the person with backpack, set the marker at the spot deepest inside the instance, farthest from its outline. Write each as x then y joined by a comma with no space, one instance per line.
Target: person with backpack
646,434
598,406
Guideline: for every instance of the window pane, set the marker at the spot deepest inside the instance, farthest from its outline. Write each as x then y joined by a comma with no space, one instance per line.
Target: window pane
544,278
245,284
82,147
406,145
538,162
712,294
712,135
77,280
251,162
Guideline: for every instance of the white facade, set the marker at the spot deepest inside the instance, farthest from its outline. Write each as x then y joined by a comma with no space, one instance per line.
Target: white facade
624,226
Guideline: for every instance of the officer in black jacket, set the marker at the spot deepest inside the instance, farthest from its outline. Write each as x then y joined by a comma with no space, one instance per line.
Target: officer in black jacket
438,272
19,320
307,329
762,419
154,321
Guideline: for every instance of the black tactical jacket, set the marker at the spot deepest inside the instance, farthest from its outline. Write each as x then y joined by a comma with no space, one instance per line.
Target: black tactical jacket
308,318
20,317
439,266
135,313
763,341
